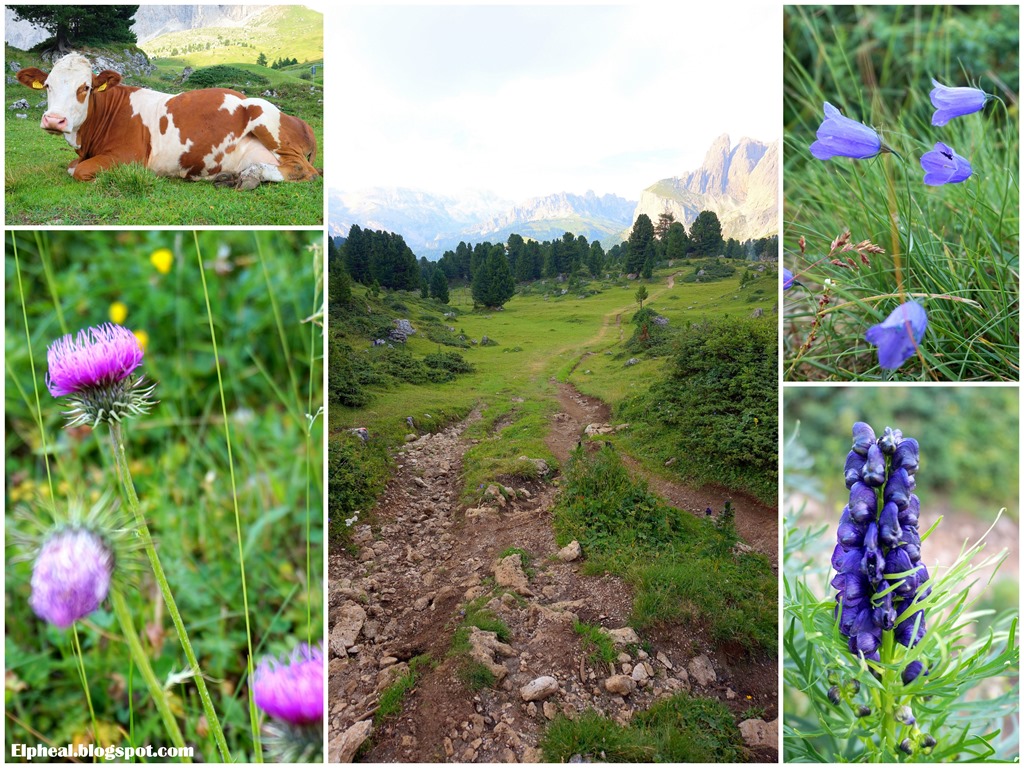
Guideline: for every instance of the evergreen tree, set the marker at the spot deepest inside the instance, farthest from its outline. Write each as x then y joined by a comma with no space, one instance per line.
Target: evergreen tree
595,259
676,241
665,220
640,244
706,235
733,249
75,25
356,253
439,286
261,60
493,283
641,295
648,267
516,249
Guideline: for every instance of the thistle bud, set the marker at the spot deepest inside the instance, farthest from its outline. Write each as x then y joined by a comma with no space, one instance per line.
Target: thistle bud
71,576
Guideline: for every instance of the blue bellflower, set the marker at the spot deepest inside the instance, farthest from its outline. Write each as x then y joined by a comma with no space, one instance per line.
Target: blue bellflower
944,166
898,336
879,550
787,279
954,102
839,136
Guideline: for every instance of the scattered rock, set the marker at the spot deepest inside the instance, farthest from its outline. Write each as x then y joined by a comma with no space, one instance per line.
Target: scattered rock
539,689
623,636
571,551
702,671
758,733
347,624
540,464
640,674
509,573
670,462
344,748
632,361
20,104
485,646
664,660
620,685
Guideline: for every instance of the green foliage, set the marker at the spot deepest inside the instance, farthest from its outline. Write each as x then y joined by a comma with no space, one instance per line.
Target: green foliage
261,60
640,247
393,697
716,411
706,235
493,284
679,564
357,472
680,729
223,75
452,362
955,248
596,642
641,296
709,270
77,25
439,286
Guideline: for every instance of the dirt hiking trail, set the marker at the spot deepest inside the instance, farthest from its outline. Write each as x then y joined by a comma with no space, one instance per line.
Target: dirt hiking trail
426,558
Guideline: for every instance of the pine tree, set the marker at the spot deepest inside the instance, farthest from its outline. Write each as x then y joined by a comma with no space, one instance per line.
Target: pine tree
706,235
640,244
439,286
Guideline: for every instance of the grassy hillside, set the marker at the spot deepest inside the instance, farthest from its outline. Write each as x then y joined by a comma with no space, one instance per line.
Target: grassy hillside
282,31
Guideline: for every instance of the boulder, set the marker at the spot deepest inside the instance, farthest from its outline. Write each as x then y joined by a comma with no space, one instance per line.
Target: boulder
620,685
702,671
509,573
347,624
758,733
539,689
571,551
343,748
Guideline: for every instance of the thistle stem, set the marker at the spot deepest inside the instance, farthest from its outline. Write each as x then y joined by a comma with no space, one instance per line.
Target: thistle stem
125,478
124,616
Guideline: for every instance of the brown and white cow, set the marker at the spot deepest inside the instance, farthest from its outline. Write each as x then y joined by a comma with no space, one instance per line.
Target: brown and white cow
213,133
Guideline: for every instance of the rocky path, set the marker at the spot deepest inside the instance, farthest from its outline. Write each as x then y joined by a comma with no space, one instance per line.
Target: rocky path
427,558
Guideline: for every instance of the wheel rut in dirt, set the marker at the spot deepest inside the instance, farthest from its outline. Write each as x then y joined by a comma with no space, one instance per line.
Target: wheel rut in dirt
427,558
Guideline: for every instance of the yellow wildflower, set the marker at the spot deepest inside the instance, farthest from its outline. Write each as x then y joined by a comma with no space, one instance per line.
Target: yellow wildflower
118,312
162,259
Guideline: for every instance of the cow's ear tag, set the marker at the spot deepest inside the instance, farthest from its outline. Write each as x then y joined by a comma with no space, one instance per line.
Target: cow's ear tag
102,87
37,85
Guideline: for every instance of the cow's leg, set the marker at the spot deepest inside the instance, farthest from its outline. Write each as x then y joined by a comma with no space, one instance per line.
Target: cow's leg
86,170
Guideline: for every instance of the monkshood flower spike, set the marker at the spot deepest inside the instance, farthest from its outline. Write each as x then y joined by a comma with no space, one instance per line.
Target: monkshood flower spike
839,136
944,166
955,102
899,335
877,558
291,691
95,371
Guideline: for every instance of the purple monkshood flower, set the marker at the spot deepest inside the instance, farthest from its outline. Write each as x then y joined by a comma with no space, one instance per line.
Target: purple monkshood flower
71,576
955,102
97,356
292,689
944,166
839,136
898,336
877,558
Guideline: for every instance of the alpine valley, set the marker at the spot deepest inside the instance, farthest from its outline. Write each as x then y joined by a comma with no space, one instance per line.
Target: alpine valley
739,183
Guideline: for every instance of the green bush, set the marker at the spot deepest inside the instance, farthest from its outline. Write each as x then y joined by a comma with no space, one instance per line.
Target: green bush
223,75
357,472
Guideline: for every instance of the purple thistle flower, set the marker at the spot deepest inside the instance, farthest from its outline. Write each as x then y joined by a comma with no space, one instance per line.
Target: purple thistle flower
955,102
944,166
292,690
95,371
96,357
71,576
839,136
898,336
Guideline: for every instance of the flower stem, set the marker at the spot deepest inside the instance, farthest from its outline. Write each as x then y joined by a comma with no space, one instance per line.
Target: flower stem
85,683
124,616
889,743
125,477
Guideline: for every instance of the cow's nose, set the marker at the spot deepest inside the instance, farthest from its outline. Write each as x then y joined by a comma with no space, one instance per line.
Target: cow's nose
52,122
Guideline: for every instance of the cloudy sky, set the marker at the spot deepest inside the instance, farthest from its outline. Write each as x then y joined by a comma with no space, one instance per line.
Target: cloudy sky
531,100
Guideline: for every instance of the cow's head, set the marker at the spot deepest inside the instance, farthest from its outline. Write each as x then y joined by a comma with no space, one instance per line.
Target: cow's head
68,87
